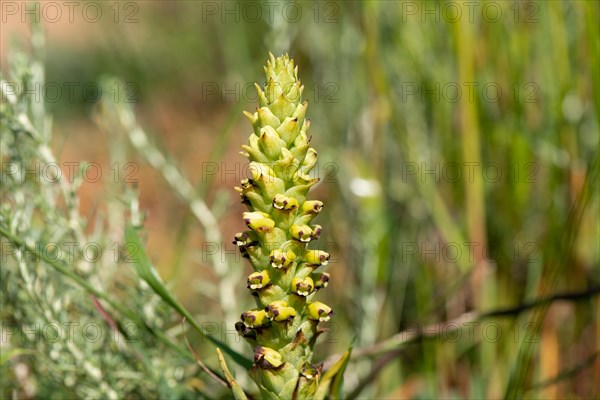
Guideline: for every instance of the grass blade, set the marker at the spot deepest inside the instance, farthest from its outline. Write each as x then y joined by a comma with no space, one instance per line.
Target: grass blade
331,382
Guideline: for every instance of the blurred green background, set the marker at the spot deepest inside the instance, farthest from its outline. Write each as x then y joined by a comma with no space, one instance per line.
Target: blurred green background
458,147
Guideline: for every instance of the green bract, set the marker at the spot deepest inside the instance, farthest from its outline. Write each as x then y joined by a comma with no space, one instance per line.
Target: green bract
283,329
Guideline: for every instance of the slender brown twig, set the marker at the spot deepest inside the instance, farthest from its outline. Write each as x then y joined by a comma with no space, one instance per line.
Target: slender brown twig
396,341
200,363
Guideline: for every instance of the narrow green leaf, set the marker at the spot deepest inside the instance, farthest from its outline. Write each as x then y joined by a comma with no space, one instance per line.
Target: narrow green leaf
338,379
331,382
148,273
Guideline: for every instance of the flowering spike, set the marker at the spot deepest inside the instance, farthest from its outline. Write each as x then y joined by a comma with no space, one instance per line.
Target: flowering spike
284,327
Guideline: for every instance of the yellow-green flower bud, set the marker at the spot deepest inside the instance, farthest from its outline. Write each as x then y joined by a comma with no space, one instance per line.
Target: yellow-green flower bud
267,358
281,259
253,151
307,211
285,167
310,160
311,207
319,311
245,239
266,179
285,203
270,142
254,121
321,280
282,106
309,371
255,318
302,179
303,286
294,94
300,112
262,98
300,147
316,229
273,90
289,129
251,195
247,184
316,258
259,221
279,311
258,280
266,118
302,233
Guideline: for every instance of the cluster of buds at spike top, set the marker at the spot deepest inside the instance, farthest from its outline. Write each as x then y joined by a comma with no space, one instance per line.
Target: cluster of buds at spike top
283,328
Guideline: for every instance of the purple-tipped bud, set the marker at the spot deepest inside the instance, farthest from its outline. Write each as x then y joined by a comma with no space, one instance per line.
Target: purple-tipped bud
316,258
258,280
321,280
302,233
303,286
279,311
319,311
267,358
281,259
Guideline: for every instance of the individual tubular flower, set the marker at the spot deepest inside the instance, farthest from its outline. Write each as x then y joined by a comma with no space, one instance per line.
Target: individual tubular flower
279,311
302,233
258,221
245,239
309,371
308,211
321,280
319,311
267,358
285,203
303,286
258,280
254,319
284,327
312,207
309,377
316,258
282,259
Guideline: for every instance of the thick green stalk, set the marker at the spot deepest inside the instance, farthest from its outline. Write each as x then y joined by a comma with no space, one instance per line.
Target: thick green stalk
284,326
